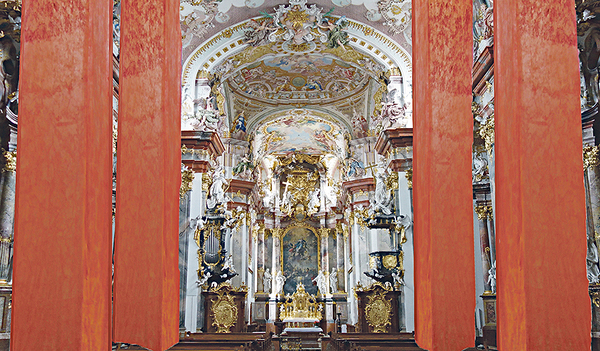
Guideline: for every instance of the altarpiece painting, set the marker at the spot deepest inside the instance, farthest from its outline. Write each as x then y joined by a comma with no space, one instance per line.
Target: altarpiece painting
300,258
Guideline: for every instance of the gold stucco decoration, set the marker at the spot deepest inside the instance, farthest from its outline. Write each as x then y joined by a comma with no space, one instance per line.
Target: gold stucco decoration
187,177
389,261
224,312
10,161
590,157
378,312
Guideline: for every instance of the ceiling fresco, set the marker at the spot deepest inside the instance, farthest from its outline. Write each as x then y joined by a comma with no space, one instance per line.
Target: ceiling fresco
299,131
299,77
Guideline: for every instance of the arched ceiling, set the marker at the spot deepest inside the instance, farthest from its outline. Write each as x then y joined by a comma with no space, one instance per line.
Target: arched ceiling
271,60
202,19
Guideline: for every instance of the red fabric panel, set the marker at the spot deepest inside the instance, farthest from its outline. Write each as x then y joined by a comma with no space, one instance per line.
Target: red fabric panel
443,134
542,298
62,271
146,291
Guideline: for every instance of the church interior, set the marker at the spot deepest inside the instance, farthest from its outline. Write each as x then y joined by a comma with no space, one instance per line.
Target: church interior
297,215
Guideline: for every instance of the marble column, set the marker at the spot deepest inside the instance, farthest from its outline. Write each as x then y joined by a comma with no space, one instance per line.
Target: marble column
539,173
260,258
340,267
443,131
324,233
146,287
62,267
276,233
7,213
483,212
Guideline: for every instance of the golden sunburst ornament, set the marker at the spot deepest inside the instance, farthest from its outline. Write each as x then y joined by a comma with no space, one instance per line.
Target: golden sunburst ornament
298,18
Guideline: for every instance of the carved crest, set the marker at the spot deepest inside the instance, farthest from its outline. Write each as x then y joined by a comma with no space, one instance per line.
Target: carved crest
378,312
224,310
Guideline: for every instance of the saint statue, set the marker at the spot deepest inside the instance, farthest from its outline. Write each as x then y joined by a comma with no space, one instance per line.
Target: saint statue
279,280
267,281
315,203
492,277
321,281
217,189
383,197
333,281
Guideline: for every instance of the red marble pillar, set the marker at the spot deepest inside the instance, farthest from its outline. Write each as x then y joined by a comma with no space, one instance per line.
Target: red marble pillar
62,271
146,289
443,207
542,300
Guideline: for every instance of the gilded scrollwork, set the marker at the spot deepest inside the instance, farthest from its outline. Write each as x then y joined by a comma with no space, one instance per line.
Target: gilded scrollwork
206,181
486,132
300,305
595,296
378,311
392,181
484,212
10,161
409,177
187,177
390,261
590,157
224,310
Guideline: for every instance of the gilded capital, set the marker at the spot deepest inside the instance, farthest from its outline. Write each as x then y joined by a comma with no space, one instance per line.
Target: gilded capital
590,157
10,161
409,174
484,212
486,132
187,176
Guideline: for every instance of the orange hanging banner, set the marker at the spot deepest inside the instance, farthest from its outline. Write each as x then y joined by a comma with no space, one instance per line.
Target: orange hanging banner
62,248
542,290
146,289
443,207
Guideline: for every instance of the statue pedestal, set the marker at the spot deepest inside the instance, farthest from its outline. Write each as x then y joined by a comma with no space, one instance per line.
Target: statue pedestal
378,309
224,309
489,328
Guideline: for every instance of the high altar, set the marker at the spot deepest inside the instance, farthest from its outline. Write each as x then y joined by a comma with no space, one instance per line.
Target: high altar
296,203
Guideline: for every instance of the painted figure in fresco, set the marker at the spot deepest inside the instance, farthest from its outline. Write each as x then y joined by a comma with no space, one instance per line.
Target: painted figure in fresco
321,281
312,84
299,249
279,281
257,33
333,280
336,36
267,277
